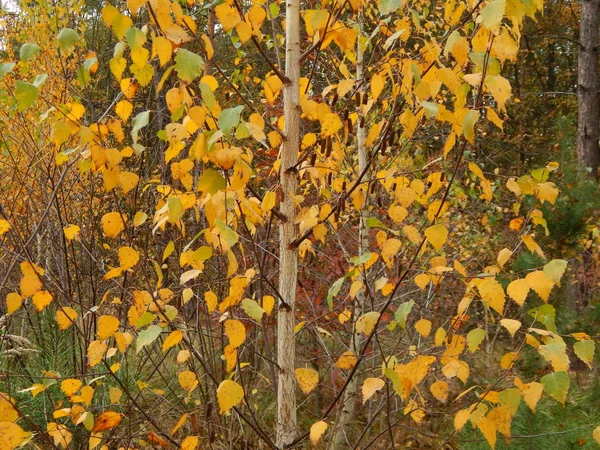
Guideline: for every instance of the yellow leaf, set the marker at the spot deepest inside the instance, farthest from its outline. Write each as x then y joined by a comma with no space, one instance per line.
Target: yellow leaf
492,294
423,327
398,213
8,411
190,443
65,317
461,419
13,302
556,354
210,298
469,122
346,361
124,110
4,226
106,421
162,48
366,323
422,280
172,339
41,299
128,257
377,84
370,386
244,31
112,224
596,434
115,395
235,332
439,390
227,15
532,246
307,379
128,181
86,394
95,353
437,236
268,302
188,380
107,326
540,283
229,395
140,218
488,429
503,256
71,232
70,386
518,290
11,435
511,325
317,430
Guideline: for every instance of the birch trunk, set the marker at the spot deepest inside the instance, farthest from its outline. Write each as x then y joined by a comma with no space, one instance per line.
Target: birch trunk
588,152
348,404
288,257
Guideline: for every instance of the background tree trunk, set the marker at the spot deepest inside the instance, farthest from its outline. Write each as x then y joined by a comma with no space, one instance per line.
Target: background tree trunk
288,257
588,152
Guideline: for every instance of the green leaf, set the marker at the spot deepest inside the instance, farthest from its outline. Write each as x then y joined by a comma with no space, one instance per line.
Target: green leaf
67,38
557,385
373,222
253,309
145,319
545,314
40,80
388,6
28,51
203,253
431,109
333,291
26,94
585,351
469,122
360,260
211,181
208,97
147,337
6,68
229,236
135,38
229,118
139,122
492,14
475,338
188,65
402,313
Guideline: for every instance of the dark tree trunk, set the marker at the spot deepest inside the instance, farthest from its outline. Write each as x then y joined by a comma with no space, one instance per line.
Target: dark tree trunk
588,152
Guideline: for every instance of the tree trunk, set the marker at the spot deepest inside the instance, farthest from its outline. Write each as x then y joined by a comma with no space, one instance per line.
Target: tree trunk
588,152
288,257
348,403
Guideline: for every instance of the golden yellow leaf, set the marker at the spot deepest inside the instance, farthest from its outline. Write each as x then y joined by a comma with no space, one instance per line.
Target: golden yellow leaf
128,257
210,298
518,290
124,109
107,326
86,394
128,181
190,443
423,327
439,390
227,15
70,386
71,232
461,418
511,325
112,224
398,213
596,434
492,294
65,317
235,332
488,429
244,31
4,226
422,280
366,323
307,379
95,353
41,299
114,394
172,339
11,435
437,236
13,302
540,283
370,386
106,421
188,380
377,84
346,361
317,430
229,395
